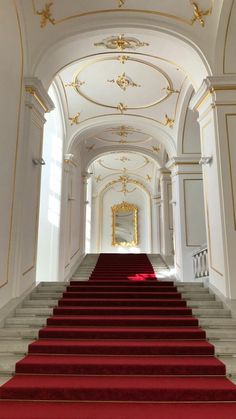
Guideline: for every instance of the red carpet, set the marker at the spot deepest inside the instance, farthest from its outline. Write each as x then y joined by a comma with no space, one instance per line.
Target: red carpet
121,345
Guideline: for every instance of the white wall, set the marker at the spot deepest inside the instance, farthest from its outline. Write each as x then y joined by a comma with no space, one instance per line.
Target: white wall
11,103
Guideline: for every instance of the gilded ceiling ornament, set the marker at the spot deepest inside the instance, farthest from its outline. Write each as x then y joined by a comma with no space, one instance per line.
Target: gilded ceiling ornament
121,107
121,43
124,81
124,180
123,159
46,15
74,120
198,14
168,121
149,178
170,90
129,180
122,140
75,84
122,131
121,3
123,58
156,149
89,148
98,178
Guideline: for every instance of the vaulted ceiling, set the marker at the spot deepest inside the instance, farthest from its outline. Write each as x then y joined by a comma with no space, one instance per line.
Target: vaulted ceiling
123,68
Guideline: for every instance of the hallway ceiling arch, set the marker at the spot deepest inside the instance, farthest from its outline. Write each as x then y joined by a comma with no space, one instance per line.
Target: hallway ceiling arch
122,60
47,24
124,172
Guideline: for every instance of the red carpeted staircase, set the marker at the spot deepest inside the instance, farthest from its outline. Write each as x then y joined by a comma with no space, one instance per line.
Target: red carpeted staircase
120,345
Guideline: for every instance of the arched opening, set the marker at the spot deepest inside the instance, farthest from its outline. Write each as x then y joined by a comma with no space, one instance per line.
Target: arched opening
120,111
50,195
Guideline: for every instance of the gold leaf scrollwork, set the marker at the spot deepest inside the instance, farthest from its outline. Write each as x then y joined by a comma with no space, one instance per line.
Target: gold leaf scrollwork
121,3
121,43
169,122
121,107
46,15
198,14
156,149
170,90
123,58
75,84
124,81
74,120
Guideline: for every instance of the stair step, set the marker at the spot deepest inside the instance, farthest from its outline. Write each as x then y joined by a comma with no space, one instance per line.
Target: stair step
142,321
122,347
217,322
119,365
118,332
40,303
41,387
211,312
204,304
8,362
34,311
15,346
16,333
225,348
221,333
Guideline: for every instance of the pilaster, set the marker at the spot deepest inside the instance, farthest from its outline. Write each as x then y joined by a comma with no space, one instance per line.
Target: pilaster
188,212
215,102
37,102
166,213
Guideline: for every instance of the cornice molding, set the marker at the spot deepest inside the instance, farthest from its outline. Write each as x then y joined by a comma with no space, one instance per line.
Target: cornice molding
211,88
37,95
183,161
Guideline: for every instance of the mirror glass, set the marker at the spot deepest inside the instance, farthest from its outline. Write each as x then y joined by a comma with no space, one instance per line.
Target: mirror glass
124,225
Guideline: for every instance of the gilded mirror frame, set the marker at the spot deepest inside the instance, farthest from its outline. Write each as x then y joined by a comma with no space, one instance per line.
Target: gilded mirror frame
125,207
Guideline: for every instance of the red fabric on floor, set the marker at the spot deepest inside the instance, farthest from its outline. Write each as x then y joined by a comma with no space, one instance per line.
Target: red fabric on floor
125,337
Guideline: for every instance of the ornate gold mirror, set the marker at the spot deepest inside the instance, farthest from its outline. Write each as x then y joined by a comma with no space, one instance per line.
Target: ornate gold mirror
124,225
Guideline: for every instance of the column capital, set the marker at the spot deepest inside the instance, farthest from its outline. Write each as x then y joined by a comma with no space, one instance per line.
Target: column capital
214,91
37,96
164,173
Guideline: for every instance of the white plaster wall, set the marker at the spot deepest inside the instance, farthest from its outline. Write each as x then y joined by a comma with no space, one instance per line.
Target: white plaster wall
139,198
191,134
11,73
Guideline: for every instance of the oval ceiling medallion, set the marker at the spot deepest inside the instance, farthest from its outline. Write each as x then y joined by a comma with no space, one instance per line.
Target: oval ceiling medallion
117,161
108,82
123,134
